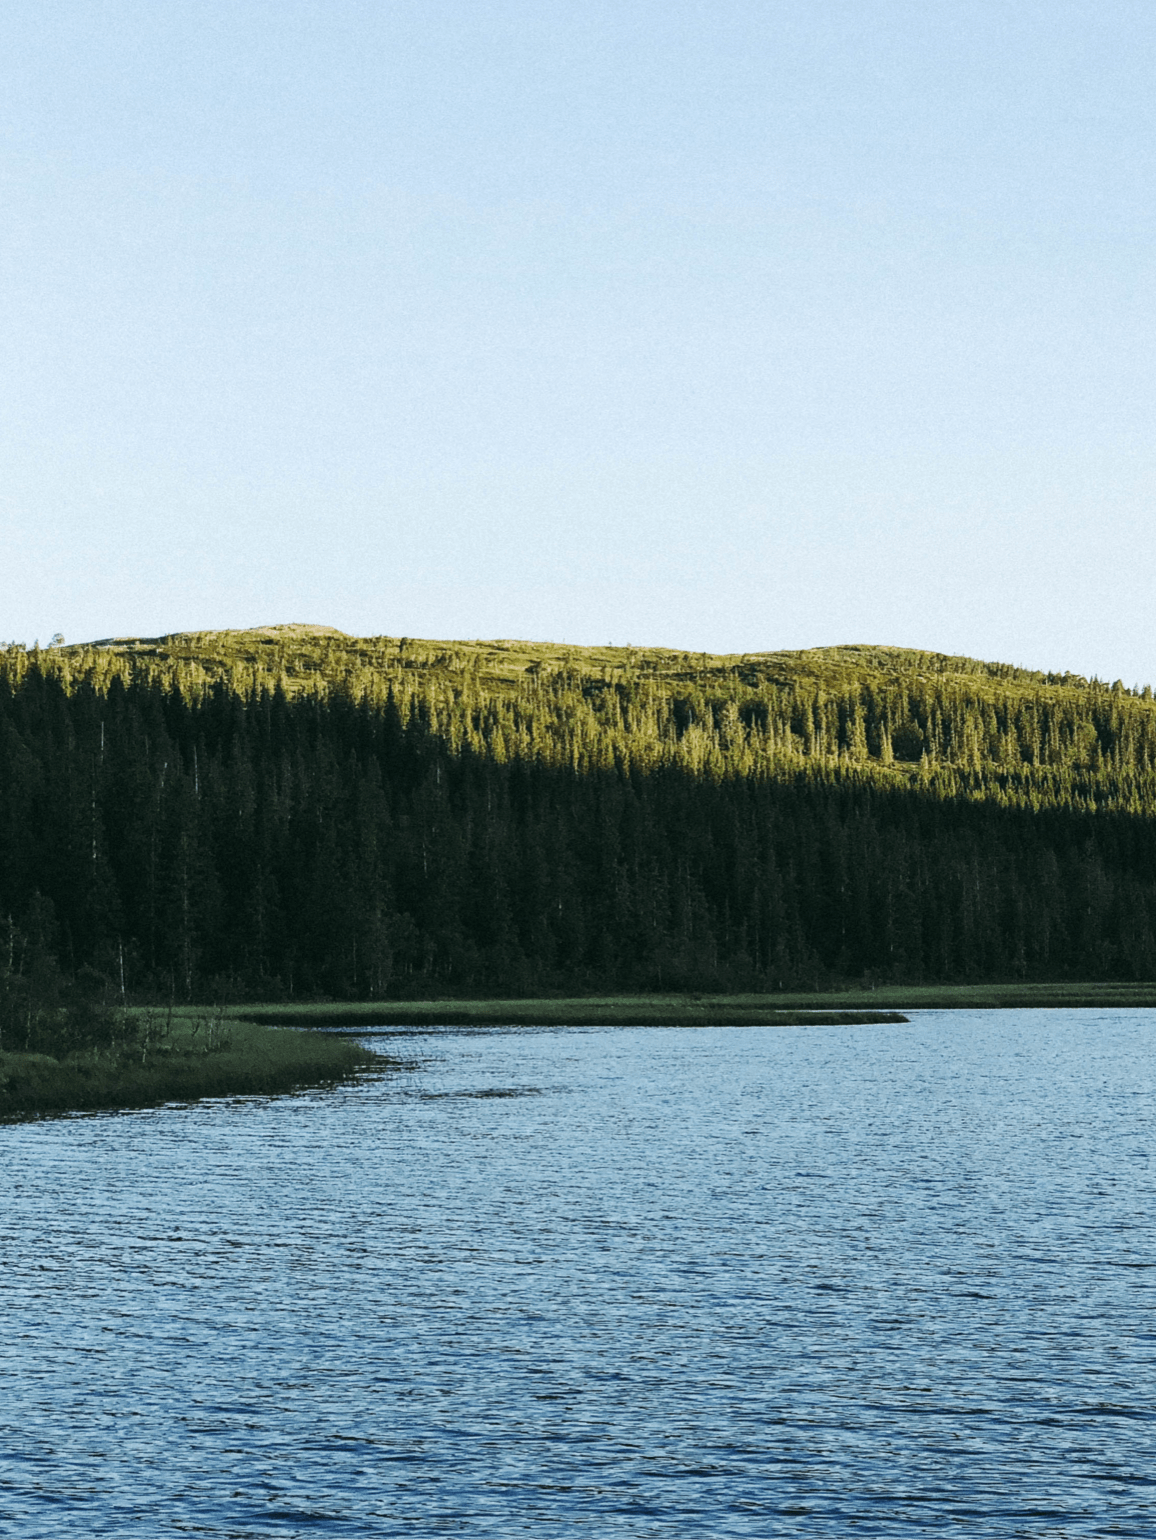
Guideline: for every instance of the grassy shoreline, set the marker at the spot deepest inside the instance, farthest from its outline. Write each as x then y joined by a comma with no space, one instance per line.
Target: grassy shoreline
246,1051
884,1005
245,1059
622,1011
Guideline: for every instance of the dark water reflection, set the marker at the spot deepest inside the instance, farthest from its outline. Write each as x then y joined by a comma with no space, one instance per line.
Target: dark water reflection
876,1280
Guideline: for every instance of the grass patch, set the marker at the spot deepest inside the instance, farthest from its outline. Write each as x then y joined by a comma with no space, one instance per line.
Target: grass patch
195,1055
980,996
885,1004
604,1011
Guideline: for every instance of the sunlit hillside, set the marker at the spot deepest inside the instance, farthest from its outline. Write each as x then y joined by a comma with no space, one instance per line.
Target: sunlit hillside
957,726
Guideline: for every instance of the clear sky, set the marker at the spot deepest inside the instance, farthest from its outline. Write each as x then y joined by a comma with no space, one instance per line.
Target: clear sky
730,326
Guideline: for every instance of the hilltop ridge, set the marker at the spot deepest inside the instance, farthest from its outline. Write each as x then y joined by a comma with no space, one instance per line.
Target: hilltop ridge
292,629
299,652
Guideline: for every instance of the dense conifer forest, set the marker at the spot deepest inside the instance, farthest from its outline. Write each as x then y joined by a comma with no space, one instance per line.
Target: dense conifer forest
293,813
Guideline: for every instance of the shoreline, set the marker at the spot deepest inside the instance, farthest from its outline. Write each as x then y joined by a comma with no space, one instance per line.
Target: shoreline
881,1006
256,1056
251,1060
418,1014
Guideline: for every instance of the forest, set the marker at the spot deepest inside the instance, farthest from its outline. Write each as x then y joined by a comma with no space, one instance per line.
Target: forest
292,814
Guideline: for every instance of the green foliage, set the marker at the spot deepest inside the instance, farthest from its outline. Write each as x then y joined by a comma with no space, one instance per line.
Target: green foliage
964,729
165,1058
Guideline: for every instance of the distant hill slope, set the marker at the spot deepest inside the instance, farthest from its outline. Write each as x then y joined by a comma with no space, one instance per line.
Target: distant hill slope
301,656
956,726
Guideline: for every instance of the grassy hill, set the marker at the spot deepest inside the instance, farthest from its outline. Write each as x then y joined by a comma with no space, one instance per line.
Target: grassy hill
959,726
313,659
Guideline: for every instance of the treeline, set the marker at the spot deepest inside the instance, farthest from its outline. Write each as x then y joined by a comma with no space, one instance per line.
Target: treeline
557,833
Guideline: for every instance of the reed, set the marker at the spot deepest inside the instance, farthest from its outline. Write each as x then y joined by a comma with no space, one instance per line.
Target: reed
178,1057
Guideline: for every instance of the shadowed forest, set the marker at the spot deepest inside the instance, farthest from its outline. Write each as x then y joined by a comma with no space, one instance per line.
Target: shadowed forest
290,813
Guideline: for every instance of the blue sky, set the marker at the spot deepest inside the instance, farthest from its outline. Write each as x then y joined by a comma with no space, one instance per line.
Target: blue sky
726,326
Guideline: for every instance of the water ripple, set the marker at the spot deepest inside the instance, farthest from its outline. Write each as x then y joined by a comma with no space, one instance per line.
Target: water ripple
880,1280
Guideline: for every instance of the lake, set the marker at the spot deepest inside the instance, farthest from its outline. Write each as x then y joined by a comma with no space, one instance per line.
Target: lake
823,1281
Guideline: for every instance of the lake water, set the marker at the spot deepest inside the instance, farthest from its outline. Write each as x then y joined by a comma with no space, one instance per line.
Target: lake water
759,1282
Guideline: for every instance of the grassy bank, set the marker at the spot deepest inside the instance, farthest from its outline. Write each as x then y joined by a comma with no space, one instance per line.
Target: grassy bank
844,1007
608,1011
979,996
192,1056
